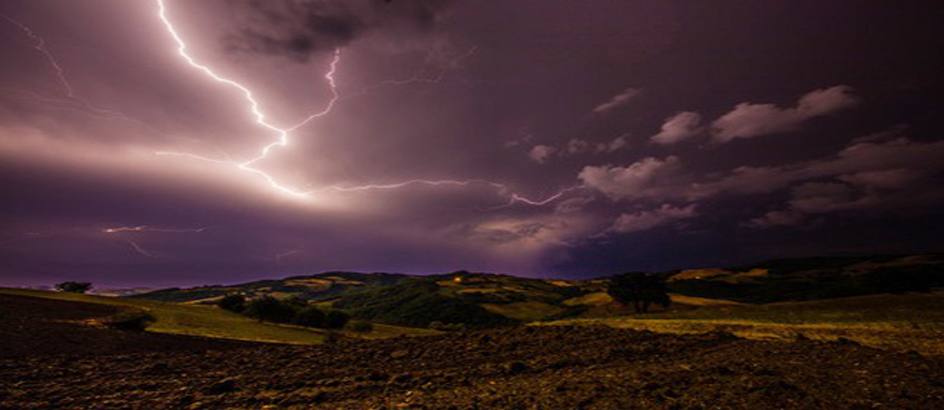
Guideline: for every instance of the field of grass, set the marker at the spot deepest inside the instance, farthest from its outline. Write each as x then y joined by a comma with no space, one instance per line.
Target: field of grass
210,321
912,321
524,311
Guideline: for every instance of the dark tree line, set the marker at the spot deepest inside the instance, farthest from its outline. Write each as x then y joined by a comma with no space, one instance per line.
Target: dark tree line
293,310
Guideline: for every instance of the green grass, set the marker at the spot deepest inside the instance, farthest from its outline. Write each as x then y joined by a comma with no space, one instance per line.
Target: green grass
525,311
210,321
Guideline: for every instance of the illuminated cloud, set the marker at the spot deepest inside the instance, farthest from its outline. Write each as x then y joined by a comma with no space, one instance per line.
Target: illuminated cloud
749,120
576,146
617,101
541,153
646,220
679,127
641,179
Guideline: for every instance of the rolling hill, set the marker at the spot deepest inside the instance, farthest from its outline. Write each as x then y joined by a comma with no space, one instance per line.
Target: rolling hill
467,300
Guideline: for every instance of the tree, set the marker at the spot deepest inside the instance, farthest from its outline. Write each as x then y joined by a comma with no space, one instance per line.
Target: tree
309,317
336,319
268,308
638,289
74,287
233,303
135,320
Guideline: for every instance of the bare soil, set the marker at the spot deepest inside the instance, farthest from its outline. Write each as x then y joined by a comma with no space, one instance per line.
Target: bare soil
552,367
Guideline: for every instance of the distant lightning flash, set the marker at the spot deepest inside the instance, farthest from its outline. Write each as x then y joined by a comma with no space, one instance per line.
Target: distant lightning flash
39,44
283,134
142,228
137,248
514,198
418,77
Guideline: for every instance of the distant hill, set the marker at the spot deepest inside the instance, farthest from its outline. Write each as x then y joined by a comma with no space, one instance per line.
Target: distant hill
467,300
457,300
800,279
321,286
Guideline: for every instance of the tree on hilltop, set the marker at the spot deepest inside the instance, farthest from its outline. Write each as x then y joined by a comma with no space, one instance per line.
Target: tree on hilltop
74,287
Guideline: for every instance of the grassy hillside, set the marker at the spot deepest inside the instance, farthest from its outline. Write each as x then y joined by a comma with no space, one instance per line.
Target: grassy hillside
479,300
418,303
312,287
813,278
211,321
459,300
911,321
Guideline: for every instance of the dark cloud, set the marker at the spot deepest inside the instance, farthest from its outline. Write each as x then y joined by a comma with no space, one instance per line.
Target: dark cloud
297,29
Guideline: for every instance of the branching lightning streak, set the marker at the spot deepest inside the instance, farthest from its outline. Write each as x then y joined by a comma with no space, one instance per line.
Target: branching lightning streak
283,133
39,44
255,108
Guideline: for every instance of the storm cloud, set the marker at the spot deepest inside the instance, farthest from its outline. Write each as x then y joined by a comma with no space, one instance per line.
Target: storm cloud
247,139
297,29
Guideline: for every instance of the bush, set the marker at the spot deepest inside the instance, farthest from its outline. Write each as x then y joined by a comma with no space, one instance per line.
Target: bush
74,287
336,319
232,303
135,320
310,317
270,309
361,326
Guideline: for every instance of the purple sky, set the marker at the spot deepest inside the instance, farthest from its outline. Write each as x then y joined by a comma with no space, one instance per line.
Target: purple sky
532,137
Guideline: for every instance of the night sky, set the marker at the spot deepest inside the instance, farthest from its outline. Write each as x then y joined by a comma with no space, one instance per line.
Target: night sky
540,138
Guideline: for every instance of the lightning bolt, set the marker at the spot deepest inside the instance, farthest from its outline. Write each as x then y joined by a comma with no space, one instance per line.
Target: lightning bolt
254,106
283,134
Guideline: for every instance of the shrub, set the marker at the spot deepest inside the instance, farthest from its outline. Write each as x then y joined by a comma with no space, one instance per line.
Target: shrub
74,287
310,317
336,319
232,303
270,309
362,326
135,320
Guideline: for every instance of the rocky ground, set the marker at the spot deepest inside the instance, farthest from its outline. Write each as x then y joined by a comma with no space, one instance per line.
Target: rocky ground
515,368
